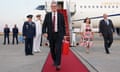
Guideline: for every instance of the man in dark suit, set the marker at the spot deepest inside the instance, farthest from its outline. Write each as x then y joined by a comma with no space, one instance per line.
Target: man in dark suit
106,29
15,34
6,34
54,30
29,32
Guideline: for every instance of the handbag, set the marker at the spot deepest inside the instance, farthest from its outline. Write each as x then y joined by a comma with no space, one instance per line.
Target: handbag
65,47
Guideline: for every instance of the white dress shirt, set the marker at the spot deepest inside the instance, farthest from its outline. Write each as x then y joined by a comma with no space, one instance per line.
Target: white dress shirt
56,26
107,21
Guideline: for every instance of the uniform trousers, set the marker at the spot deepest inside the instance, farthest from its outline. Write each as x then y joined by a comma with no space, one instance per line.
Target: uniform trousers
28,46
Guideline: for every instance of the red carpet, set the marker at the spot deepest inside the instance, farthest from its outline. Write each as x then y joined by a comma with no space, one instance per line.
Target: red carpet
70,63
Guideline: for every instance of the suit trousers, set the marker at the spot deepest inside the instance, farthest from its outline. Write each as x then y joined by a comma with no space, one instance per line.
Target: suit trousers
28,46
108,40
6,36
55,48
15,36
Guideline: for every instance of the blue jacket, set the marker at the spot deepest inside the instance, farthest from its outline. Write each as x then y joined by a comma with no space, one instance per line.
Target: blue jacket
29,30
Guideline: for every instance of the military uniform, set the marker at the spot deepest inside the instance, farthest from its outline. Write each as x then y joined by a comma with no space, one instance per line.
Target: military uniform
29,32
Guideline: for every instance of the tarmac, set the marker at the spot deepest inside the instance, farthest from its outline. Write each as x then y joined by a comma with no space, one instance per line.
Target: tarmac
97,60
13,59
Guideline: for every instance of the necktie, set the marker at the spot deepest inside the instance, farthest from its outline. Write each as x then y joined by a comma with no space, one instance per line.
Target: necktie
107,22
53,22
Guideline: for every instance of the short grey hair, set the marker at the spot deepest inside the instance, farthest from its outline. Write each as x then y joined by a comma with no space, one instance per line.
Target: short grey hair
53,2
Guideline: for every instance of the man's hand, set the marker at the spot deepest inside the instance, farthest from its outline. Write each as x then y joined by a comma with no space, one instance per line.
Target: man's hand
34,37
45,35
65,37
113,33
24,37
100,34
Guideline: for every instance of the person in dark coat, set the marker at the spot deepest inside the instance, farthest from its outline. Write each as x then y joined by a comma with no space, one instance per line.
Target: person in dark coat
15,34
6,34
106,29
29,32
54,30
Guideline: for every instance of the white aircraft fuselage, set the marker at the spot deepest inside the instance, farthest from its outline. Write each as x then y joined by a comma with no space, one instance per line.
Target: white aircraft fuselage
94,9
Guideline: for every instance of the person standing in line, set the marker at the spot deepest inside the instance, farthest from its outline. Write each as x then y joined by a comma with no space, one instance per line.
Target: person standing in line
29,32
6,34
54,30
86,35
37,39
106,29
15,34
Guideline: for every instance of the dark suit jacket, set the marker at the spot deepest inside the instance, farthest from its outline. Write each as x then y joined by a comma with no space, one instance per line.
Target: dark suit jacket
29,30
15,31
106,29
6,31
47,25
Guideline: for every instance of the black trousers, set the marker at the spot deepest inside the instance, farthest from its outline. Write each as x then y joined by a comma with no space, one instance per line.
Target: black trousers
108,40
55,48
28,46
15,36
6,36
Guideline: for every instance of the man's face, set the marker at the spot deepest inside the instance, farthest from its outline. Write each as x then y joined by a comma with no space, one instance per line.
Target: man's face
6,25
54,7
38,18
105,16
30,19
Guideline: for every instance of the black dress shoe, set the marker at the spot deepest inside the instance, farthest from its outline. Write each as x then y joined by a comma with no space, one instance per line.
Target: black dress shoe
31,54
54,64
108,46
108,53
26,54
58,68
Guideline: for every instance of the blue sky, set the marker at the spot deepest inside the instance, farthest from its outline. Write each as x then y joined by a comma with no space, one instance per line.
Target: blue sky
14,11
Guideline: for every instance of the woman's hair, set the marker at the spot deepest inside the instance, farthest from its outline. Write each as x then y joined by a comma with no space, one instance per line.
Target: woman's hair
86,20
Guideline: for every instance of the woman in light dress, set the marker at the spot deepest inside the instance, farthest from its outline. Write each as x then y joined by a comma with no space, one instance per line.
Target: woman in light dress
86,35
37,39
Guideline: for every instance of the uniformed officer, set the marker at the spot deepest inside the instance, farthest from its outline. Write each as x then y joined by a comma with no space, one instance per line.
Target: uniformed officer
6,34
15,34
29,32
37,39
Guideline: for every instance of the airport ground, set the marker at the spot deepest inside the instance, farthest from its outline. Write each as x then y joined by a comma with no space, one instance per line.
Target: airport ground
13,59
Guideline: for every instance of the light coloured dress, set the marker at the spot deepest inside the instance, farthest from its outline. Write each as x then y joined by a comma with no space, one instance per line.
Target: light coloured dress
87,37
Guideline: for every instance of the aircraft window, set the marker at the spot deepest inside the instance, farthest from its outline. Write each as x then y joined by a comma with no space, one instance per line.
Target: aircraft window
97,6
81,6
108,6
101,7
93,6
41,7
105,6
85,6
89,6
112,6
116,6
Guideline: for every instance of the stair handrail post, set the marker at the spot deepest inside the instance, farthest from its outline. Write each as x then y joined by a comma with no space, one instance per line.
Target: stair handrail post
69,21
